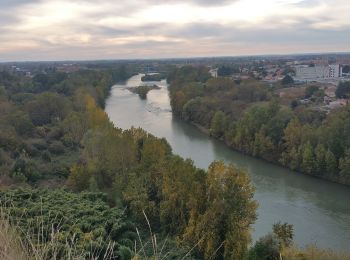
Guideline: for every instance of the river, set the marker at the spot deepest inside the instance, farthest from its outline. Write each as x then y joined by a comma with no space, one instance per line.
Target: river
318,209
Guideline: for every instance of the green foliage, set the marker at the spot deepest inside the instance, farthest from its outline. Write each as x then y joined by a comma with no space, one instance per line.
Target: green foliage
218,124
270,246
284,233
310,90
221,225
249,119
153,77
343,90
266,248
287,80
308,159
85,220
143,90
25,169
47,108
47,116
226,70
345,165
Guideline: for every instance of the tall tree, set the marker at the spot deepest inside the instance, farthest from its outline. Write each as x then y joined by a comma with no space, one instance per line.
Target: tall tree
223,229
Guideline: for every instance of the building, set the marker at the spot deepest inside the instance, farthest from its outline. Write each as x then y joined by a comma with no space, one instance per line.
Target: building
214,73
318,72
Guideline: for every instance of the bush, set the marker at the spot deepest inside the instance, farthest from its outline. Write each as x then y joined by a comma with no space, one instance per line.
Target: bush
55,133
56,147
40,144
266,248
287,80
81,221
27,168
343,90
31,150
46,156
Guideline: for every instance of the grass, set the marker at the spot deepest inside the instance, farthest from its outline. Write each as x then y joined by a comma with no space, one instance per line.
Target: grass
11,246
313,253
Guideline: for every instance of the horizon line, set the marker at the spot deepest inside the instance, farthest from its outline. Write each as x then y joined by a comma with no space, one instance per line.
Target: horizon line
179,58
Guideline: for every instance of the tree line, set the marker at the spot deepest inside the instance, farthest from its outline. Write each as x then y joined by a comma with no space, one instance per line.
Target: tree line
250,118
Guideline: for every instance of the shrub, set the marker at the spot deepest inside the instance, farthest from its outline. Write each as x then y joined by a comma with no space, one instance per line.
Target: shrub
46,156
40,144
266,248
56,147
59,220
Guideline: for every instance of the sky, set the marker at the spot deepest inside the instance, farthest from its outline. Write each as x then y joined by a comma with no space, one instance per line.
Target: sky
32,30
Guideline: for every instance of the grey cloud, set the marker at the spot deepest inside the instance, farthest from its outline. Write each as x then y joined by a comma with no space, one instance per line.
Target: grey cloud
195,2
6,4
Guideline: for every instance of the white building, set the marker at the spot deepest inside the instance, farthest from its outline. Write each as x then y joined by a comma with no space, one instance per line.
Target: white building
318,72
214,73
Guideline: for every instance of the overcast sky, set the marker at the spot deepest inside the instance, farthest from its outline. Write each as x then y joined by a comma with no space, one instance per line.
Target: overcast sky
119,29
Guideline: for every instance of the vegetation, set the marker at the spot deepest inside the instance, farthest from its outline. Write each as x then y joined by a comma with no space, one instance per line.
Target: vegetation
343,90
228,70
143,90
58,135
82,221
88,190
287,80
250,118
153,77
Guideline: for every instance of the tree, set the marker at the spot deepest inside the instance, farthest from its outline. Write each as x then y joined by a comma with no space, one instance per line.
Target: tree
310,90
266,248
222,229
321,163
344,165
218,124
331,163
308,159
343,90
182,185
287,80
79,177
284,232
227,70
46,108
269,247
74,127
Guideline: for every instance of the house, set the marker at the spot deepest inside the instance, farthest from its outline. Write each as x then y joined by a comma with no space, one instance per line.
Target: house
214,73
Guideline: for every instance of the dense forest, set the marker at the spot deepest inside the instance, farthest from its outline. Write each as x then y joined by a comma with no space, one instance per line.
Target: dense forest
249,117
55,134
74,186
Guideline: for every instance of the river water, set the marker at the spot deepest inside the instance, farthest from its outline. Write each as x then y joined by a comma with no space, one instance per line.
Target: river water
319,210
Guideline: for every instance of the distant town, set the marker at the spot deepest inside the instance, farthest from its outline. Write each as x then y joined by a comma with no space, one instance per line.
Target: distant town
289,75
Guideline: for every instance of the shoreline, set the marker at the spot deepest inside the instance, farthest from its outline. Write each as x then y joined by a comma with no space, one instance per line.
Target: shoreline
207,132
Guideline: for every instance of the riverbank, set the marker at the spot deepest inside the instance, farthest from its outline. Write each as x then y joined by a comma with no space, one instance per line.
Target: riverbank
206,131
250,118
310,204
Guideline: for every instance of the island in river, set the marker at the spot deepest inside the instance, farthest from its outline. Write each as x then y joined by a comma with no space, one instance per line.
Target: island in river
143,90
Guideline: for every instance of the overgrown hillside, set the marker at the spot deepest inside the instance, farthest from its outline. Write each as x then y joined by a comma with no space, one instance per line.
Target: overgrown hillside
55,134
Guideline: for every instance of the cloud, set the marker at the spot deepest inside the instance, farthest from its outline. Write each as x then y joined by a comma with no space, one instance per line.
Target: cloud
84,29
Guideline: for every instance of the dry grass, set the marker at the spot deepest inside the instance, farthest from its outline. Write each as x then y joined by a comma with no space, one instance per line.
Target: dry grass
314,253
11,247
